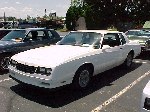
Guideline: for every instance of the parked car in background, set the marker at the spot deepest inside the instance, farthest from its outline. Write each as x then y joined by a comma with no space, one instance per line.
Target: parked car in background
23,39
140,35
10,24
4,32
24,25
75,59
1,25
145,102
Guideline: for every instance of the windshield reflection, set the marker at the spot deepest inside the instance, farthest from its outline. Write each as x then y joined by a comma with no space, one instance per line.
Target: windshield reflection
13,35
80,39
139,33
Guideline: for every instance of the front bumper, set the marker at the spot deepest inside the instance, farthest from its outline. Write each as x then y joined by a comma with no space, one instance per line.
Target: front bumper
32,79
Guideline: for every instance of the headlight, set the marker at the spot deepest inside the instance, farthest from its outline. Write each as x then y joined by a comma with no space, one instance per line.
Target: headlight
147,104
13,63
48,70
44,71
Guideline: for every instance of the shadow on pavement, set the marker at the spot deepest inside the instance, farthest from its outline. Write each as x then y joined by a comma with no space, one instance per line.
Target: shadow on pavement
66,95
3,72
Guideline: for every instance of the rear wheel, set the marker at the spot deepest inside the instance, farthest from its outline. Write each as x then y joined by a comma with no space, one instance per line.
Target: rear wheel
82,78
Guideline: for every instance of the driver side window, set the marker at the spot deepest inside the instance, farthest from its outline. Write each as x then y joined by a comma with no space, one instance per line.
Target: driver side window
35,36
28,37
111,40
32,36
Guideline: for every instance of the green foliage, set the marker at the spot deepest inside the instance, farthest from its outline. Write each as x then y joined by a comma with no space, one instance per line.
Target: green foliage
71,17
76,10
106,13
11,18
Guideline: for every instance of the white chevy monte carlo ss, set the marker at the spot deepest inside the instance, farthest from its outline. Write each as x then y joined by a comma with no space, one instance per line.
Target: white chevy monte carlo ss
145,103
74,60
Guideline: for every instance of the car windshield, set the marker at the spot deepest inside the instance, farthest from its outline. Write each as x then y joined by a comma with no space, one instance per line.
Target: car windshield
139,33
13,35
145,33
80,38
132,33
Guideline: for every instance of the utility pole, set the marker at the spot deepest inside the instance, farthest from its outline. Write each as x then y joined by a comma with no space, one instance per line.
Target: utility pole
4,17
72,2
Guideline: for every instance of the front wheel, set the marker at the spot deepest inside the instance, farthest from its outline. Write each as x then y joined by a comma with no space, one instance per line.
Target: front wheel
82,78
129,60
4,63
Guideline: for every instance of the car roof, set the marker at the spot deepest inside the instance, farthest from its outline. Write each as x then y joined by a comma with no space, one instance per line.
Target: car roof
146,30
30,29
135,30
98,31
6,29
35,28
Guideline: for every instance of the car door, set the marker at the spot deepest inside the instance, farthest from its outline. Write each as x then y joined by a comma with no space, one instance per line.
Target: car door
124,47
110,53
41,39
25,43
44,37
31,40
37,38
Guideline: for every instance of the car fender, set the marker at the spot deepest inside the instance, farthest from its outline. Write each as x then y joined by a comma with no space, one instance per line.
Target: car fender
68,69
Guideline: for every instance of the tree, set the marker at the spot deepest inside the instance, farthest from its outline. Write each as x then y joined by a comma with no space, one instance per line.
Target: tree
11,18
111,12
73,13
78,9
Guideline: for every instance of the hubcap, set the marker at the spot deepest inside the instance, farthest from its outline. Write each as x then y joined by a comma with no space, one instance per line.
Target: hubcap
5,62
84,78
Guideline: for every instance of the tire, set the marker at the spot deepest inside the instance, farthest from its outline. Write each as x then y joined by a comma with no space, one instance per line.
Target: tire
4,62
129,60
82,78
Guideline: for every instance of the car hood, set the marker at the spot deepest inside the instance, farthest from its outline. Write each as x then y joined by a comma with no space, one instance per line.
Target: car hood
51,56
147,89
7,43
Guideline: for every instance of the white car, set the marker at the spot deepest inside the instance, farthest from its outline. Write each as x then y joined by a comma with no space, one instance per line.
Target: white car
74,60
145,103
140,35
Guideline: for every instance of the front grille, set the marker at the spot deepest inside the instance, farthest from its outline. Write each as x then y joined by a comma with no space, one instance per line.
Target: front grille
25,68
30,69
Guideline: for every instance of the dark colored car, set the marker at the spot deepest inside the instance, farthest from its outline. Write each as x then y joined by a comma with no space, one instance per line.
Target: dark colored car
4,32
23,39
1,25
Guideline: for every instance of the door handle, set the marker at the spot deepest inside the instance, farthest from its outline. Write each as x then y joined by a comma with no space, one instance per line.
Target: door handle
121,48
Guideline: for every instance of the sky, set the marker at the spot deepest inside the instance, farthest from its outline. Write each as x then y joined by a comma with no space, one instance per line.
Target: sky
33,8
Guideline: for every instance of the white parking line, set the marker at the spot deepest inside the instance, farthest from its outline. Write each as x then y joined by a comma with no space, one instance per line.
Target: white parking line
115,97
144,62
5,80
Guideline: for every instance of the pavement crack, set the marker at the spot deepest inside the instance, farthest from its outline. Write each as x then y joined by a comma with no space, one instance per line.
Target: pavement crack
7,97
10,103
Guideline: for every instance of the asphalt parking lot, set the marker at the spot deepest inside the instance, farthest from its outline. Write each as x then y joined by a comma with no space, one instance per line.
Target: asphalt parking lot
117,90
